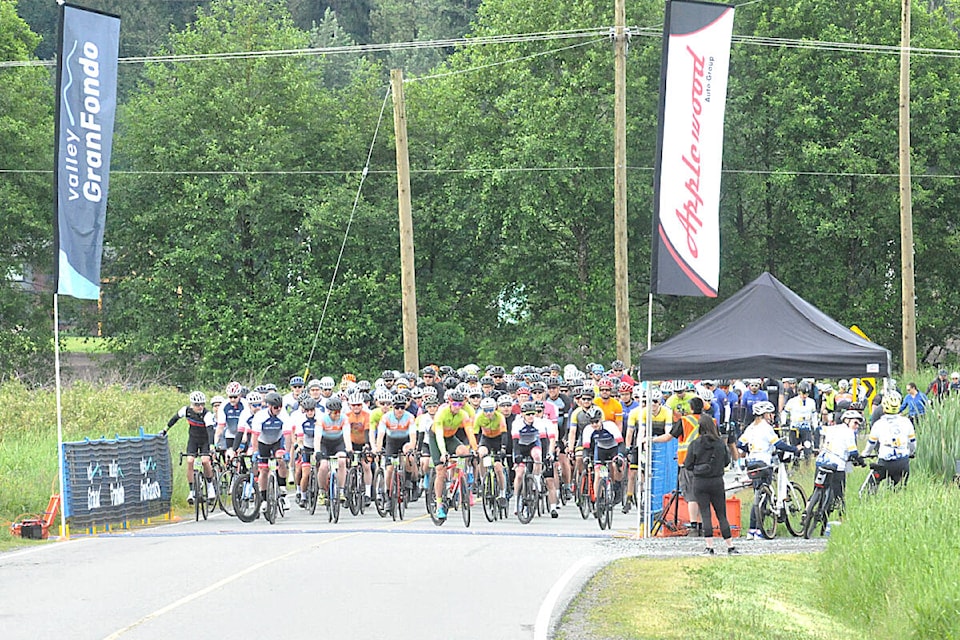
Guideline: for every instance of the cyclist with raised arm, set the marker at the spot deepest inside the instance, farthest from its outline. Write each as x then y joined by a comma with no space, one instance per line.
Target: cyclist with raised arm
758,442
894,440
272,437
452,418
198,441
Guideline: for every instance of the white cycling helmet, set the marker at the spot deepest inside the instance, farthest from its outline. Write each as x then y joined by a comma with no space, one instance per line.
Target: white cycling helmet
254,398
488,403
326,382
763,407
198,397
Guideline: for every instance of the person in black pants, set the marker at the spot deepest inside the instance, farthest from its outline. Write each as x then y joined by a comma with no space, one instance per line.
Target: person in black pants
706,459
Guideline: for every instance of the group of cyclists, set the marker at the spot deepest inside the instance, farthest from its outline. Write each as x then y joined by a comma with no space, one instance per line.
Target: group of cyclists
560,420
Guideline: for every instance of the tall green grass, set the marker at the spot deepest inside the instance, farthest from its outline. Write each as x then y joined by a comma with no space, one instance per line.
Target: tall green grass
938,439
891,569
28,433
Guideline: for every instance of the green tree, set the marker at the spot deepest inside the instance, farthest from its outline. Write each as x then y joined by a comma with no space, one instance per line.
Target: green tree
26,129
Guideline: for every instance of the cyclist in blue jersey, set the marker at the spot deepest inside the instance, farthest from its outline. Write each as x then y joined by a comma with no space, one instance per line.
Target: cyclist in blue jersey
305,429
272,437
228,419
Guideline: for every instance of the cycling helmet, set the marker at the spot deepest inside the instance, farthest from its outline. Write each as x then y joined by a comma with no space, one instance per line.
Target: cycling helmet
446,370
597,369
198,397
763,407
402,383
850,414
431,401
891,402
326,383
296,381
363,386
488,403
625,387
471,369
538,386
254,398
430,391
334,404
217,400
383,396
497,371
843,385
400,402
617,364
587,392
487,380
307,404
234,388
261,389
270,387
605,383
273,399
528,408
389,374
539,404
595,414
655,395
356,398
689,386
416,393
314,384
450,382
804,388
474,392
666,386
455,396
705,394
471,378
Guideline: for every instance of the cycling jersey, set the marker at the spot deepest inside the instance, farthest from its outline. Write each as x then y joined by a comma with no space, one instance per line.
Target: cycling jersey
359,426
679,402
306,428
611,407
198,420
838,443
801,411
396,428
491,425
333,429
270,428
525,434
606,435
638,420
893,437
750,398
628,408
446,423
290,403
760,441
228,418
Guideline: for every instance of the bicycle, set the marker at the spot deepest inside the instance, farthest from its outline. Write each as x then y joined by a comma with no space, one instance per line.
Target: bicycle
244,491
605,495
583,490
312,495
199,489
823,502
491,489
532,492
274,499
786,505
223,473
395,498
876,477
456,494
354,490
333,491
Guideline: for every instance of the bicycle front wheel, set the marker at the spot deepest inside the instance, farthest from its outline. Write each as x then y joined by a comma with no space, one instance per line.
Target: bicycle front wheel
335,494
489,496
380,492
246,497
313,491
583,496
224,495
528,499
601,505
273,496
465,502
793,506
766,514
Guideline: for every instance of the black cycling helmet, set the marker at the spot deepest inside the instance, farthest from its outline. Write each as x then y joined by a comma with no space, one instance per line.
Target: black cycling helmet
308,403
388,374
450,382
528,408
400,402
595,414
455,396
497,371
273,399
334,404
512,386
487,380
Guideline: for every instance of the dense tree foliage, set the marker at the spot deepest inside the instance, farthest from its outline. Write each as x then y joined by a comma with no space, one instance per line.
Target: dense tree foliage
236,181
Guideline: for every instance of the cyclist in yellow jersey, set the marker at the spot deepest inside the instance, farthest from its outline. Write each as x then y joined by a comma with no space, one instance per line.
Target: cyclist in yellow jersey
636,428
491,425
679,401
451,418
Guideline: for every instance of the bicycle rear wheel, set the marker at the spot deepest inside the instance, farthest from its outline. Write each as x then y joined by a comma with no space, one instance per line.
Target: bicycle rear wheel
601,504
766,516
793,506
224,481
583,496
199,494
335,493
313,491
811,515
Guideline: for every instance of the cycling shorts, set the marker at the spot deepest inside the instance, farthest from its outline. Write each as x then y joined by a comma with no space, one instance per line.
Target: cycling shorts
451,443
393,446
601,455
521,451
306,455
332,447
198,444
268,451
493,445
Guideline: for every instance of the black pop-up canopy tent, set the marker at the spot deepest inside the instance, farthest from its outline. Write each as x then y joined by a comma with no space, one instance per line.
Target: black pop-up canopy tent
765,329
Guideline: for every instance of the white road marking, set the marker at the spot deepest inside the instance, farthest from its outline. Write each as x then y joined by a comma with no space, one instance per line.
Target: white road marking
541,628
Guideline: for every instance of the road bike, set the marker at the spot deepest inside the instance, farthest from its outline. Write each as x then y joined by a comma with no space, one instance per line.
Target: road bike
223,473
201,503
333,490
312,495
781,500
354,489
492,489
583,489
244,491
532,493
877,477
456,494
274,498
823,501
395,495
605,498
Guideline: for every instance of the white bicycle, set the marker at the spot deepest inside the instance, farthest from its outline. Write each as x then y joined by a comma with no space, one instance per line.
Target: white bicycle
786,505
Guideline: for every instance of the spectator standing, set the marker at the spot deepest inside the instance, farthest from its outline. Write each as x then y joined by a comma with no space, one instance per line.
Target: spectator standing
914,403
706,459
940,386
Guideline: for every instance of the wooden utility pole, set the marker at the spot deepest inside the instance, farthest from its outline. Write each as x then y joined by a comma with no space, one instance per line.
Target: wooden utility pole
907,295
408,284
620,183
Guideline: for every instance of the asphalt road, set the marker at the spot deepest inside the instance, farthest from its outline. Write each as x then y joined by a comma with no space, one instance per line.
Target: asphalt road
365,577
